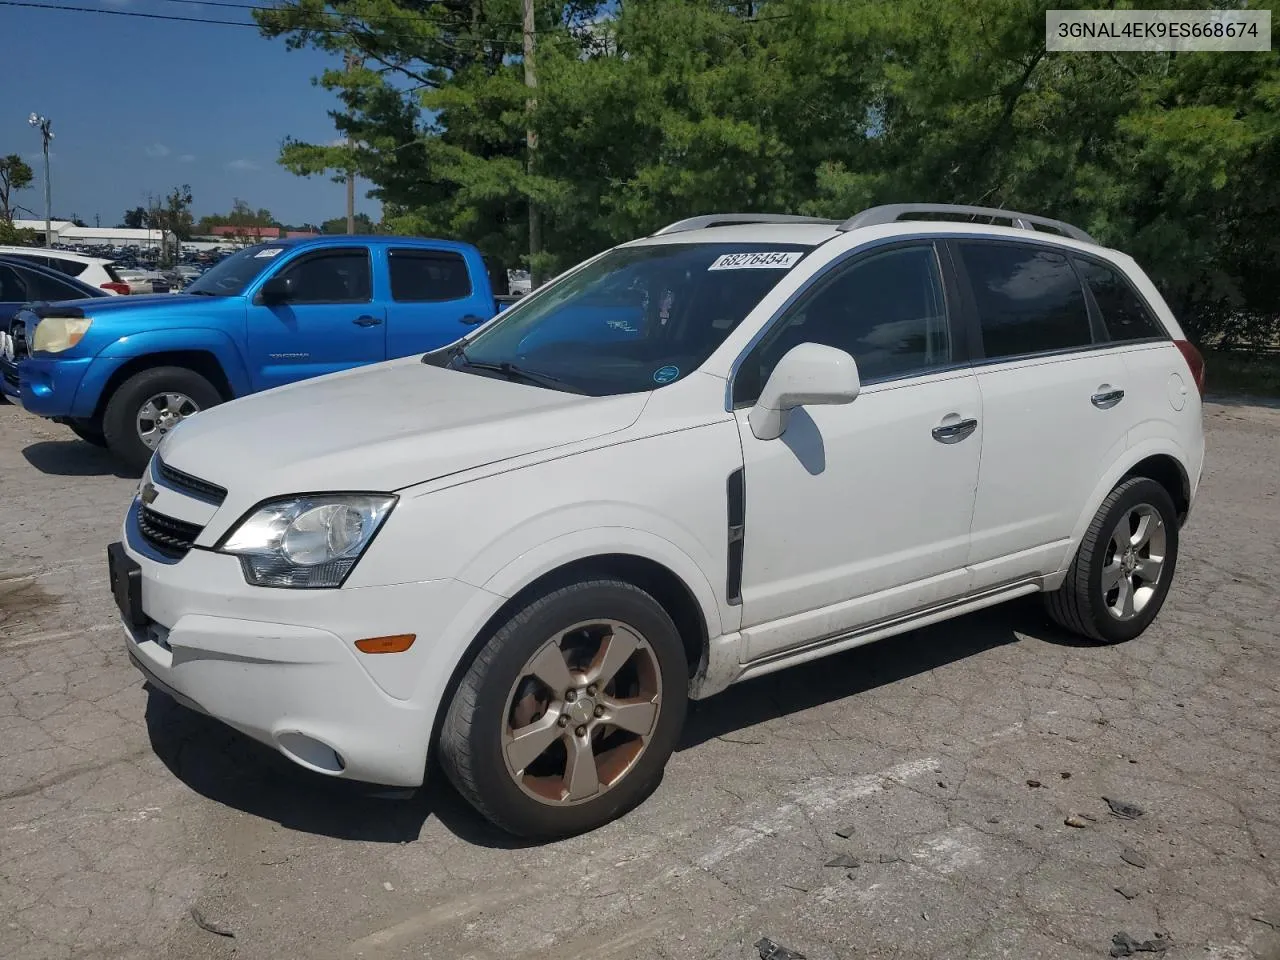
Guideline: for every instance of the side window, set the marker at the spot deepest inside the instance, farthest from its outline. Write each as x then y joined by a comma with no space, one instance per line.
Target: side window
41,287
1029,299
1124,314
12,289
331,276
72,268
887,310
430,276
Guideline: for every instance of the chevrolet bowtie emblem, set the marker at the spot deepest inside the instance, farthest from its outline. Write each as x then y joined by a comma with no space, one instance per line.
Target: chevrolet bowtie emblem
148,493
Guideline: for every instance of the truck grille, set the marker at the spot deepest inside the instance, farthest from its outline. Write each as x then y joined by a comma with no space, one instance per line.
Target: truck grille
191,486
168,535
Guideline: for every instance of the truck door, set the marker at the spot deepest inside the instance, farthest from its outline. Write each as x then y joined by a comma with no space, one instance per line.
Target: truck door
329,322
434,300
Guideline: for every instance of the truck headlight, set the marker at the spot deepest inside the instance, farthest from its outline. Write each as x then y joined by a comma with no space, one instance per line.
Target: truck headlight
306,542
55,334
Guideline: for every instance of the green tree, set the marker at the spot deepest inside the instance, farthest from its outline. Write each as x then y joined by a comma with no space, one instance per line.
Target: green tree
15,174
135,218
364,224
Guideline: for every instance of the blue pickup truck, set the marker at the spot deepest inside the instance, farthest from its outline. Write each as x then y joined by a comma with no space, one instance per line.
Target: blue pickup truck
122,371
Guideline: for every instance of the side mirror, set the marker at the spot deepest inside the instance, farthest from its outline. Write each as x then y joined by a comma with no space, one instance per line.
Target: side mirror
807,374
277,290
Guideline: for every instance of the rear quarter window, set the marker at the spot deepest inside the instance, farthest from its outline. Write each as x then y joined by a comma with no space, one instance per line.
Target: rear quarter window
1125,315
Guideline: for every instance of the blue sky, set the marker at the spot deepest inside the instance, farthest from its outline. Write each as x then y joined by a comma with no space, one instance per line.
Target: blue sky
140,105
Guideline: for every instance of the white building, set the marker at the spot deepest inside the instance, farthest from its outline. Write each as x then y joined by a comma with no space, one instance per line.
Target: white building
64,231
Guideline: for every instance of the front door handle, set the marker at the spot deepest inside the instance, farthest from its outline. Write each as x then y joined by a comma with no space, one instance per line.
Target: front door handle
367,321
1106,398
955,431
471,320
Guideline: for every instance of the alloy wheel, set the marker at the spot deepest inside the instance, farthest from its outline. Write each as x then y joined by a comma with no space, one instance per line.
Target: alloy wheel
161,414
1134,562
581,713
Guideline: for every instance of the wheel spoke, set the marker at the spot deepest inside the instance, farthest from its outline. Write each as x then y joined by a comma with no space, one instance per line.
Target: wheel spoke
148,411
1111,574
580,777
615,650
1146,526
549,667
1124,600
530,741
1148,569
634,716
1120,539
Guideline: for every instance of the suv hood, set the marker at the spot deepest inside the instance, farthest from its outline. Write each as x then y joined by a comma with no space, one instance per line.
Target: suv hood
382,427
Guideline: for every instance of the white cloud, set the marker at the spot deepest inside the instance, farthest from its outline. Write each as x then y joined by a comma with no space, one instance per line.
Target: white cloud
157,150
186,158
242,164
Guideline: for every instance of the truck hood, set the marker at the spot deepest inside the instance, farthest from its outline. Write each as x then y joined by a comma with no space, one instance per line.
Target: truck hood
382,427
108,306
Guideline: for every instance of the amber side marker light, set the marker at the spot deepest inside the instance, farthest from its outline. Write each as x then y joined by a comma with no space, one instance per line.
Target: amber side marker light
397,644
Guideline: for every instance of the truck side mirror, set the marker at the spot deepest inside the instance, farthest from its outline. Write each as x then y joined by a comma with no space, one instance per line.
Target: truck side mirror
277,290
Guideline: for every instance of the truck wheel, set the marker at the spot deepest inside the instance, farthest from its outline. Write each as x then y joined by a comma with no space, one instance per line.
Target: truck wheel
88,430
148,405
568,714
1121,573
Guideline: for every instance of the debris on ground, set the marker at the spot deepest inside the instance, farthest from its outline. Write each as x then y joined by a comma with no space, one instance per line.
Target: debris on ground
1065,775
1123,945
1076,821
1124,809
209,925
844,833
775,951
842,860
386,885
890,858
1271,920
1133,858
1034,784
1127,892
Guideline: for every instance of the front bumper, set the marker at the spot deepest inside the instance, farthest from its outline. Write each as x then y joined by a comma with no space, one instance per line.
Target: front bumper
49,386
281,665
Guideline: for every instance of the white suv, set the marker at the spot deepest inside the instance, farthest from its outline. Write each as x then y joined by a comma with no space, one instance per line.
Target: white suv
738,444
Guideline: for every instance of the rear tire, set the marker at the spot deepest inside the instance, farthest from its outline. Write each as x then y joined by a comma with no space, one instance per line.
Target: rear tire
121,423
610,652
88,430
1120,575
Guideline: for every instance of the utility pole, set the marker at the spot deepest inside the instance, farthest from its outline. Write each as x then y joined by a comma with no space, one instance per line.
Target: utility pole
46,134
531,139
352,62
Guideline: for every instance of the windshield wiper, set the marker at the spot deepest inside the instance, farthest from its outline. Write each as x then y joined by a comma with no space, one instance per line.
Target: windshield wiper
517,374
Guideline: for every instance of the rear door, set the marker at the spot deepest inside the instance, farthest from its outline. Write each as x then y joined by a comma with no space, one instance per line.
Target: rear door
330,323
1052,405
433,299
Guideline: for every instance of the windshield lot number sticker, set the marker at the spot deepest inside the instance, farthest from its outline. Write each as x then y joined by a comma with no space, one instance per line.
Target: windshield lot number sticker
779,260
665,374
269,252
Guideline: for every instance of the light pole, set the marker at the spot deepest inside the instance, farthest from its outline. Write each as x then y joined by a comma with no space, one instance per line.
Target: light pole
45,136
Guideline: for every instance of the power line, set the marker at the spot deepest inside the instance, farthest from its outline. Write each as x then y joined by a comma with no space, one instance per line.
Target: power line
124,13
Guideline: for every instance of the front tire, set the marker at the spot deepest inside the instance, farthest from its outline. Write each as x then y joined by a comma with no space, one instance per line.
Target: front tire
90,431
568,714
148,405
1120,575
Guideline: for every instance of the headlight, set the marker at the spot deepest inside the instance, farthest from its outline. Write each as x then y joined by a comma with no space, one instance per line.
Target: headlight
307,542
55,334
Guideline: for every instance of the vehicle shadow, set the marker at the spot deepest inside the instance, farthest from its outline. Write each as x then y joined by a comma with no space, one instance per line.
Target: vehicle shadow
73,458
230,768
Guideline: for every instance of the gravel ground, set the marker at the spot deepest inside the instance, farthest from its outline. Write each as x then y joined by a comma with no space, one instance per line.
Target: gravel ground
943,763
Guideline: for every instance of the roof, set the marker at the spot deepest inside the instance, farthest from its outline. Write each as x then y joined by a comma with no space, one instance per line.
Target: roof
46,252
346,240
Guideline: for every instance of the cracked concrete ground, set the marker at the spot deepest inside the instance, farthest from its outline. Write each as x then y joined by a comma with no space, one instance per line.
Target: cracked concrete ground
120,811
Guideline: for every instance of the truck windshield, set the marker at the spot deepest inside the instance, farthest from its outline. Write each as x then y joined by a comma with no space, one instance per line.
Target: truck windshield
636,319
230,277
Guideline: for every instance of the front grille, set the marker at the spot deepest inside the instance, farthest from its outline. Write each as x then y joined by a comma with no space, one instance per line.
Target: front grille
168,535
191,486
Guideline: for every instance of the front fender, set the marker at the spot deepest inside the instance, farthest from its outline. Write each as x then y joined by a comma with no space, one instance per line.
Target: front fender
177,339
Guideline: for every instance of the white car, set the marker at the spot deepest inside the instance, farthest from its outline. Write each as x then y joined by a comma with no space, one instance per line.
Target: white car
744,442
95,271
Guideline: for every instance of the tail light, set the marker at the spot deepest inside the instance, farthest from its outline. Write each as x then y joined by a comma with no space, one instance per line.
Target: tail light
114,287
1194,360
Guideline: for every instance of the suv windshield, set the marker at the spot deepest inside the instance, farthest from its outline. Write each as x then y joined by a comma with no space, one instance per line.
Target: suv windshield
232,275
636,319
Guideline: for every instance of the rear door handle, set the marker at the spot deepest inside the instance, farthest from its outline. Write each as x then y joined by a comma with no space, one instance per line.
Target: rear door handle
954,432
367,321
1106,398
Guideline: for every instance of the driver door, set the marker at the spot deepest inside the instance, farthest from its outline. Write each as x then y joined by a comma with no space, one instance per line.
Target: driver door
329,323
860,513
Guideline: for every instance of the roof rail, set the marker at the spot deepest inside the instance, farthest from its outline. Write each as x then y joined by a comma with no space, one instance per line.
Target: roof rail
729,219
893,212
